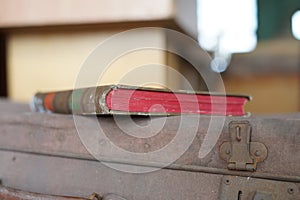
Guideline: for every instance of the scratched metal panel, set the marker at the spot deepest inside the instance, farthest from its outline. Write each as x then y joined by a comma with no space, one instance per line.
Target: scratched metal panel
74,177
54,134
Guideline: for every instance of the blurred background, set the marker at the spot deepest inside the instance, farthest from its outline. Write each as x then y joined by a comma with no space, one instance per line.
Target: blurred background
254,44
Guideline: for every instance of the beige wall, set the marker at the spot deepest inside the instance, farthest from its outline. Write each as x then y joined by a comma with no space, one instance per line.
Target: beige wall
16,13
47,60
274,93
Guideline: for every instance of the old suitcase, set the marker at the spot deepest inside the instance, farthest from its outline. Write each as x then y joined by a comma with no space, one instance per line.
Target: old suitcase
133,158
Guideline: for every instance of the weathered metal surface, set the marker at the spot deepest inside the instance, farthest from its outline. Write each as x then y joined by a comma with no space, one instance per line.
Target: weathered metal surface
43,153
241,153
10,107
54,134
73,177
246,188
113,197
13,194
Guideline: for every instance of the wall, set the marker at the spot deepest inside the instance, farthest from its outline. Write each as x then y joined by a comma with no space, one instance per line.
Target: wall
51,60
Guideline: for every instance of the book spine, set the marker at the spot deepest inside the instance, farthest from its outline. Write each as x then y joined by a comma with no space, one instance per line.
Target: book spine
78,101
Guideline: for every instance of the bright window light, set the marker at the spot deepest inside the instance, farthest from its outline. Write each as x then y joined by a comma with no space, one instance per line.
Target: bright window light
226,27
296,25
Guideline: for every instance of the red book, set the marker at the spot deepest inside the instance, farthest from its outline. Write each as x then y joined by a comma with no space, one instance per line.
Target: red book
121,99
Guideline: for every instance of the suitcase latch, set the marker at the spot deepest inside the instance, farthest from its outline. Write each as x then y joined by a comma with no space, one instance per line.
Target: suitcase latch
240,152
247,188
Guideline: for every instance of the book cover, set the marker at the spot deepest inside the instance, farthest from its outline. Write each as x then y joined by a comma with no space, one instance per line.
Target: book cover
123,99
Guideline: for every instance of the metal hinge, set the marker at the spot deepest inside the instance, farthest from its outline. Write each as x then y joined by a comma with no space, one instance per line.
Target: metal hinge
247,188
240,152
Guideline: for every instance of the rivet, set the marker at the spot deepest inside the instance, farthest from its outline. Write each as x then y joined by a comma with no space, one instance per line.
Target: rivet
228,151
257,153
227,182
147,146
291,190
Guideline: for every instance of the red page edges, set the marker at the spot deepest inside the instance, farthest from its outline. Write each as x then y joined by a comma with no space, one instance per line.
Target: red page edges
147,101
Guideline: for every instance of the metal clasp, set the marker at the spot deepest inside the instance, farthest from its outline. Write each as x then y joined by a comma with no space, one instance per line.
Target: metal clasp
247,188
240,153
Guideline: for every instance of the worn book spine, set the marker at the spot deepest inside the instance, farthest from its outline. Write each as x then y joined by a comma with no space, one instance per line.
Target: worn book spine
78,101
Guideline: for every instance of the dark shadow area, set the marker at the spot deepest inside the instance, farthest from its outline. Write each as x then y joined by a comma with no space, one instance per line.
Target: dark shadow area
3,79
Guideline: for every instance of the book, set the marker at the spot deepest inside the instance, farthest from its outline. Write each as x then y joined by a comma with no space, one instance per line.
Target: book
124,99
